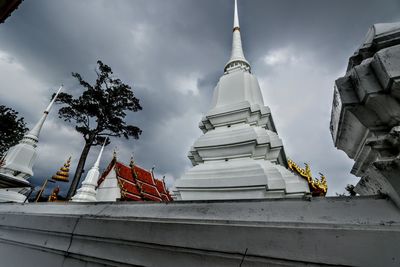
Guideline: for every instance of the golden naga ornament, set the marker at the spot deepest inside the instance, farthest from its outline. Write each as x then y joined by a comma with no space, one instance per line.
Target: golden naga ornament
318,187
63,174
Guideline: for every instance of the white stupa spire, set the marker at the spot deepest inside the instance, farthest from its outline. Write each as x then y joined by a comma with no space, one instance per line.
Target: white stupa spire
237,55
236,17
239,155
97,163
87,192
20,158
35,132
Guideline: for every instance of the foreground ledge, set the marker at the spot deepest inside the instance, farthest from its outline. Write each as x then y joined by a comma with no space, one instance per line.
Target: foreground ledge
361,231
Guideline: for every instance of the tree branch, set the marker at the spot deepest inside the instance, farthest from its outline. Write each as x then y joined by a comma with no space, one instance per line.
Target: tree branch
108,134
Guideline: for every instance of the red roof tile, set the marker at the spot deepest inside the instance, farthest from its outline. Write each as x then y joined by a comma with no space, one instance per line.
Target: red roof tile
160,186
129,196
149,189
129,186
124,171
143,175
151,197
163,190
137,184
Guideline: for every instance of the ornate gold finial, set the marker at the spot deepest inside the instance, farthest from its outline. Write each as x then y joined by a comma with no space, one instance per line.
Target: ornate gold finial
318,187
132,162
115,153
54,195
63,174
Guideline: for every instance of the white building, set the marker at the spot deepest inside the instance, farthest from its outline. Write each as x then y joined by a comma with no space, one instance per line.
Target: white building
240,155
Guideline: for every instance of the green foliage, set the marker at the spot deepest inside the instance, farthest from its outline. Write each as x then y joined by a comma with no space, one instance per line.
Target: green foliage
100,110
12,128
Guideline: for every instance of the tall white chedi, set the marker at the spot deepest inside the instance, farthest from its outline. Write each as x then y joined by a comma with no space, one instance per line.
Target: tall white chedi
240,155
17,165
87,192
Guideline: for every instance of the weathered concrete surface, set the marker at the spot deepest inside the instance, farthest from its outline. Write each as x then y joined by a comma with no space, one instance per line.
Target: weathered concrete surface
365,120
292,232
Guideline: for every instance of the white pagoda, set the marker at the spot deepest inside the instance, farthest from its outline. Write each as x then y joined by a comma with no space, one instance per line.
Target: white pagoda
87,192
240,155
17,164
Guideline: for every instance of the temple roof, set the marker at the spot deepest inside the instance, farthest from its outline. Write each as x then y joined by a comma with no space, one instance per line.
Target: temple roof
163,190
136,183
7,7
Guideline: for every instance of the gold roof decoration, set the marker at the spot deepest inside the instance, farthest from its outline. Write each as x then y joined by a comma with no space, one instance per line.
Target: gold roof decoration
132,162
115,152
63,174
54,194
318,187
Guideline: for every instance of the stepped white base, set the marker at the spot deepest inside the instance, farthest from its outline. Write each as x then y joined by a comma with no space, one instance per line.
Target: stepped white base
9,195
240,179
8,180
86,193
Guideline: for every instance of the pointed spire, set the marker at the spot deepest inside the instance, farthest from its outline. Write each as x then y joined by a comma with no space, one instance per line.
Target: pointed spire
97,163
87,192
34,133
53,100
237,56
236,18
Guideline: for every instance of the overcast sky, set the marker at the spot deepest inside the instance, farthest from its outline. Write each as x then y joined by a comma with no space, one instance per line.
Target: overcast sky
172,52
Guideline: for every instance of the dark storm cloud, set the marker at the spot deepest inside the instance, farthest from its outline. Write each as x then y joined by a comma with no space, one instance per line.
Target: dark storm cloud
172,52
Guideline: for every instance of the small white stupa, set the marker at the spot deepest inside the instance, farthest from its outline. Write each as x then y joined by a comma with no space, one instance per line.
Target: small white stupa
240,155
19,160
87,192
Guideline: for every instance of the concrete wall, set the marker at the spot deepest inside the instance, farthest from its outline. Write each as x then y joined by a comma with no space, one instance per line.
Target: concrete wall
292,232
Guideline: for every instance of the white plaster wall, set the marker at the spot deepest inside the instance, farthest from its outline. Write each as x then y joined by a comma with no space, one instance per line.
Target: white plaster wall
109,189
282,232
